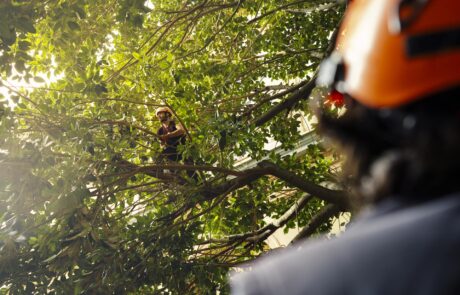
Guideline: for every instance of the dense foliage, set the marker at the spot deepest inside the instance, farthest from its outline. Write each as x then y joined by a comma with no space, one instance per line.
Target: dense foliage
82,207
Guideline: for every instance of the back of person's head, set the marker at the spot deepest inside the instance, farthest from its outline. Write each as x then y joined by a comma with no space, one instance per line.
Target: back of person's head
397,64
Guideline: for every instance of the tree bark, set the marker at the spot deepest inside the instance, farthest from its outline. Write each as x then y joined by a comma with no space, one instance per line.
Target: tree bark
331,196
325,213
302,93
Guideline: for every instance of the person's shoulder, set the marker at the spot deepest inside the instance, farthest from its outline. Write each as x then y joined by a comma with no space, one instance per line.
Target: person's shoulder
374,251
305,268
394,220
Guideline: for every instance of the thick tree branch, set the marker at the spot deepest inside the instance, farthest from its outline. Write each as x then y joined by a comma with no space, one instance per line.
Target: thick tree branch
275,10
323,215
302,93
264,232
275,96
208,193
261,91
249,176
330,196
244,178
172,166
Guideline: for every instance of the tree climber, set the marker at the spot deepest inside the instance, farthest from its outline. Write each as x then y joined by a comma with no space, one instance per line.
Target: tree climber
171,136
397,65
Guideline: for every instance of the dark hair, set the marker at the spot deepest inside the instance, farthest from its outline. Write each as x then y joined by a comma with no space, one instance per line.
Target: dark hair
411,152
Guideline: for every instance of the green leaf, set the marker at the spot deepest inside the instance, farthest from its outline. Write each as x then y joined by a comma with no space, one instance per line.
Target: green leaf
20,66
73,25
25,25
24,45
7,34
39,79
80,12
99,89
136,55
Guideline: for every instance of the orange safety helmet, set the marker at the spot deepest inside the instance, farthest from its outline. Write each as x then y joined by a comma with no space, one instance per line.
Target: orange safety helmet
393,52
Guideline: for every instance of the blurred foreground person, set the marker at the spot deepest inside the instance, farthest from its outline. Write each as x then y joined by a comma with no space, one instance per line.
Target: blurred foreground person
397,65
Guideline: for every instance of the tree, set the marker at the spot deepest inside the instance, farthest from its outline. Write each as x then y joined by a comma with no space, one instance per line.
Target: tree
82,207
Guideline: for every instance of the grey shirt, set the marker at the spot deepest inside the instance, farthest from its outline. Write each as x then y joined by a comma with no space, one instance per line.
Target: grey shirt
392,250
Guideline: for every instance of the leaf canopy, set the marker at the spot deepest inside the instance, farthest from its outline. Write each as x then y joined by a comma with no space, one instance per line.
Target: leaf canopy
82,207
